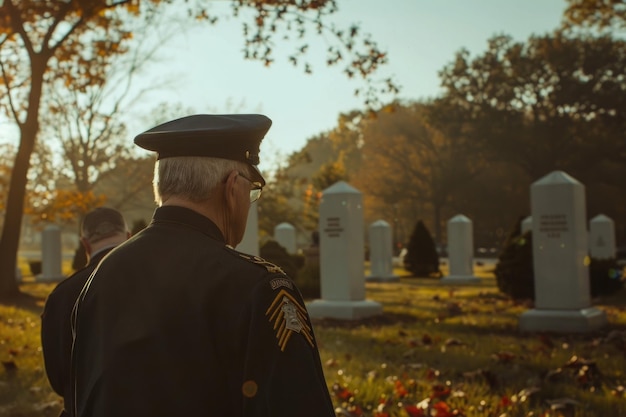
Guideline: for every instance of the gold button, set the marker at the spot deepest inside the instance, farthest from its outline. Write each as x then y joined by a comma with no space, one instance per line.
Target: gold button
249,389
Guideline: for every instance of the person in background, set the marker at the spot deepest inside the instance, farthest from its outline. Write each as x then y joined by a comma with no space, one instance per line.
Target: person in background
102,230
176,322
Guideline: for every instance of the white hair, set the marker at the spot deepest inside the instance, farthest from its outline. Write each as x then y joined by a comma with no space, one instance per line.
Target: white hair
191,177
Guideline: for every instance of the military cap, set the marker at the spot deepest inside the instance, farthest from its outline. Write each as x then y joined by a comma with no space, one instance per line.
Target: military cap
228,136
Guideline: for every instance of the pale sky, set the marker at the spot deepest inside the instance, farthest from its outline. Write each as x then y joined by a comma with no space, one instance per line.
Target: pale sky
420,36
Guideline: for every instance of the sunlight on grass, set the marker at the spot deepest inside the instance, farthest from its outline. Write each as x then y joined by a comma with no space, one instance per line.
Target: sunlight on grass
24,389
459,347
435,348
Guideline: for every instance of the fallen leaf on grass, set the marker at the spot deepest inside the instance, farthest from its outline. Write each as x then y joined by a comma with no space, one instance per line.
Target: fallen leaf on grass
332,363
504,356
431,374
9,366
453,342
566,405
342,392
554,375
414,411
401,391
586,371
577,363
426,408
525,394
440,391
413,342
505,401
618,391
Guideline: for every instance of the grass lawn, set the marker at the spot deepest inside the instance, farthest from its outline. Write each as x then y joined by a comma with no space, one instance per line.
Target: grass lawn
436,351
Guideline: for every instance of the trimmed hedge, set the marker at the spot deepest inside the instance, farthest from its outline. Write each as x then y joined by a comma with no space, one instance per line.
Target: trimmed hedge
421,258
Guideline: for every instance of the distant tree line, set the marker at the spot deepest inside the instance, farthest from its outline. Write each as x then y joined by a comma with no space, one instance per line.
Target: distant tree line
507,117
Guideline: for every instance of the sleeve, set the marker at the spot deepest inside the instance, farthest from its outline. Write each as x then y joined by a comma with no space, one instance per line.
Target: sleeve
283,374
52,342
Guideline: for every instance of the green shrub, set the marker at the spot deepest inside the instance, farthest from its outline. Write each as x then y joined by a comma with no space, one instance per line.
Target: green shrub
308,281
605,277
35,267
514,272
273,252
421,258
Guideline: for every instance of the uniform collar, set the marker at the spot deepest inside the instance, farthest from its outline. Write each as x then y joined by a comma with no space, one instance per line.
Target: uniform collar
97,256
189,218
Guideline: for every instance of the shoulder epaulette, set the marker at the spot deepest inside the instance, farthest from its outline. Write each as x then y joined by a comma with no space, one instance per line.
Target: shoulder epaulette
275,269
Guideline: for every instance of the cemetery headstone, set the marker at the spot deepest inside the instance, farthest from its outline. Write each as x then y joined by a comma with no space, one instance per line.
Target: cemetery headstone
381,253
602,237
460,251
285,235
250,242
560,258
51,254
342,256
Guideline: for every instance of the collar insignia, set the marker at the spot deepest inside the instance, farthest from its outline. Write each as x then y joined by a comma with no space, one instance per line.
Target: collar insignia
288,316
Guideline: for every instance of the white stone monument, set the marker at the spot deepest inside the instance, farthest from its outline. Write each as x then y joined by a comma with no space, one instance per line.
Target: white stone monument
51,254
527,224
342,257
381,253
460,251
562,296
250,242
602,237
285,235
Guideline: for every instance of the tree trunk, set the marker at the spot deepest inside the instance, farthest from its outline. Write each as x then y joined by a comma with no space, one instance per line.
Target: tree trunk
9,242
10,239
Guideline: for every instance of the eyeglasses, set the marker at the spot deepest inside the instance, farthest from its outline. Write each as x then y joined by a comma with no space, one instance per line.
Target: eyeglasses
255,190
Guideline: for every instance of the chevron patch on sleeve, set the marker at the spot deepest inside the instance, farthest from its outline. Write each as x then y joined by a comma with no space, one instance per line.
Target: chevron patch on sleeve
288,316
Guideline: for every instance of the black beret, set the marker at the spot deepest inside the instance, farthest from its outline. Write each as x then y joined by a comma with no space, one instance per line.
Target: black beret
228,136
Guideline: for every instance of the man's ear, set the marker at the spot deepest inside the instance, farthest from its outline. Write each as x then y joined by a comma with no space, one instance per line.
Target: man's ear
230,190
86,245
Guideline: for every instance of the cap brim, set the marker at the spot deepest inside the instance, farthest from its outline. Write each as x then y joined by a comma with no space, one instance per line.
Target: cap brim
256,175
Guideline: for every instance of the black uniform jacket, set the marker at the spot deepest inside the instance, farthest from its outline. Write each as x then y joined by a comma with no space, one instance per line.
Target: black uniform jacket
176,323
56,331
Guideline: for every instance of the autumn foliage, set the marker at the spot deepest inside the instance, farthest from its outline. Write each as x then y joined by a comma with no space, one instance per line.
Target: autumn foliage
63,206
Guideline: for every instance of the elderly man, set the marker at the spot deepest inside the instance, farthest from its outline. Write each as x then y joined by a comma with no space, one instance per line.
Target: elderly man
102,230
176,322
